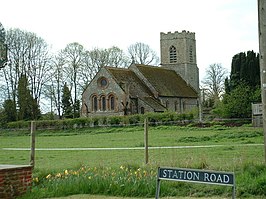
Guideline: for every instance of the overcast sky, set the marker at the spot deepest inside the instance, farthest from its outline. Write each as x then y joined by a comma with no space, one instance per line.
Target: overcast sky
223,27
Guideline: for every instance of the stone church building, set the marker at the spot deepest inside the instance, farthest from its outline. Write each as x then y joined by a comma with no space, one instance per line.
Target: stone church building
140,88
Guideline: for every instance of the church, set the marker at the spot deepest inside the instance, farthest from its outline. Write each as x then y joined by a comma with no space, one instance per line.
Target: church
173,86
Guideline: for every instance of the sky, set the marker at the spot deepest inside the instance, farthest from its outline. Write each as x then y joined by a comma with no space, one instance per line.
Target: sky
222,28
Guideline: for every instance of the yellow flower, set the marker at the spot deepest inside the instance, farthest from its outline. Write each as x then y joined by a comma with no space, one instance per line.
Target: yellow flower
48,176
66,172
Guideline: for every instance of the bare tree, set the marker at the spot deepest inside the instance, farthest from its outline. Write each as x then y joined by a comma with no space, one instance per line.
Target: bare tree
142,54
213,81
97,58
3,47
54,86
117,57
28,55
73,56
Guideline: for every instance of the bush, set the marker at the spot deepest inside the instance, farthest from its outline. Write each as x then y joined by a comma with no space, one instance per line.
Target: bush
154,119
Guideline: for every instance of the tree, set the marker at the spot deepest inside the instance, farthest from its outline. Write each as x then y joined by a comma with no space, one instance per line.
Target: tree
3,47
9,112
73,55
117,57
213,82
237,103
243,87
28,107
67,104
27,55
53,88
245,68
97,58
142,54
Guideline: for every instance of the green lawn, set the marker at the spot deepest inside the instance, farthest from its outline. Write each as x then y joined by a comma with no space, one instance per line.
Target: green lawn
236,147
111,197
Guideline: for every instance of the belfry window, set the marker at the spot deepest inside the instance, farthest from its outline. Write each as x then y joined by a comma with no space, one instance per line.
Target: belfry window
190,54
172,54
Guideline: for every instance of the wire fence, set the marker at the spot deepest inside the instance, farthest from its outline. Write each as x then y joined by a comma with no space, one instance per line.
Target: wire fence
204,155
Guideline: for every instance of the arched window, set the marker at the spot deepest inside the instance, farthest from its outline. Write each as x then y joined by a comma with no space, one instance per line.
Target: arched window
112,102
172,54
103,103
94,103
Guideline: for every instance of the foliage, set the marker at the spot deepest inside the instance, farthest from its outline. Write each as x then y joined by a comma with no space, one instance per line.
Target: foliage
135,181
9,112
28,107
245,68
138,119
67,103
243,87
237,104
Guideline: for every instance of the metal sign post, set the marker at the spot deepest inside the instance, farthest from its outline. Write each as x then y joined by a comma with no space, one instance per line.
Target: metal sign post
196,176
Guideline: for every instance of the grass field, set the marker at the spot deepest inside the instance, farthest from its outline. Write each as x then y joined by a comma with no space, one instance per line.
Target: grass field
235,148
111,197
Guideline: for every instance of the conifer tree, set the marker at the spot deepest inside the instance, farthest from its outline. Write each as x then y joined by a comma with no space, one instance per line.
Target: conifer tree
28,107
10,112
67,102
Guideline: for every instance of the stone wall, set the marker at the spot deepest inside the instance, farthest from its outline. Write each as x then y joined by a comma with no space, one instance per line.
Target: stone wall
14,180
186,63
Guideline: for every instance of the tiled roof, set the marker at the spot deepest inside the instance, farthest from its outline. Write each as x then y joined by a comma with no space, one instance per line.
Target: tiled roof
166,82
125,76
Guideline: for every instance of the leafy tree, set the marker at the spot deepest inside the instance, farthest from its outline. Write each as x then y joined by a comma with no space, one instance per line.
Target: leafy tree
243,87
142,54
237,103
67,103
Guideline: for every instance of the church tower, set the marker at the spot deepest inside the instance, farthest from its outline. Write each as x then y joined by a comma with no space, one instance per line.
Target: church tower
178,52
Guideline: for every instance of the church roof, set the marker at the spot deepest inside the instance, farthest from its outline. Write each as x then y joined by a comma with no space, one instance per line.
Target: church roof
155,104
166,82
125,77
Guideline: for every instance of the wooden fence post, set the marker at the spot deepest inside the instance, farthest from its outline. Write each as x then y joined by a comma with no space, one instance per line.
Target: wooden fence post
32,154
